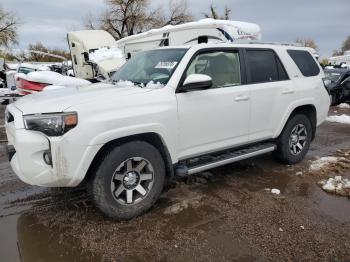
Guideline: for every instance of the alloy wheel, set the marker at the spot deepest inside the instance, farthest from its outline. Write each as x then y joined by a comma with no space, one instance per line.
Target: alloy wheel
132,181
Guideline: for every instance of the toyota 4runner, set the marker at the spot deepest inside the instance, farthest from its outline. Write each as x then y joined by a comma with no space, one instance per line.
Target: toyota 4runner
169,111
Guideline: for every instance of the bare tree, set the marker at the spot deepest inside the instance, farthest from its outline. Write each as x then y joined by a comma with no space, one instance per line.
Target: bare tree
337,53
178,13
346,44
37,57
214,14
90,22
344,47
127,17
308,42
8,28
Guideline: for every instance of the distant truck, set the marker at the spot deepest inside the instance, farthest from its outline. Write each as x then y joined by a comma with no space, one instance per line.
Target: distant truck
89,48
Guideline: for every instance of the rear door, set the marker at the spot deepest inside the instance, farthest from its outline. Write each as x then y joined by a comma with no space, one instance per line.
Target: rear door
271,92
216,118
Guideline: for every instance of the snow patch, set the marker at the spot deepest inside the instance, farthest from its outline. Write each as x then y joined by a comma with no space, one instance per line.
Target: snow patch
322,162
343,119
123,83
275,191
53,78
52,87
337,185
150,85
106,53
153,85
344,106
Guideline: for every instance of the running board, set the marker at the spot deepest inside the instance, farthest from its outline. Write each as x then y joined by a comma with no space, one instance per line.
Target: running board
204,163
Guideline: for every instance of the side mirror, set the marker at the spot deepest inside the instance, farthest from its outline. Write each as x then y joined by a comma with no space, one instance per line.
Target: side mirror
197,82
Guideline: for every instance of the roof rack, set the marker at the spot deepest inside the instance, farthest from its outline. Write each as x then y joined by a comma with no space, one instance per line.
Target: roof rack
243,41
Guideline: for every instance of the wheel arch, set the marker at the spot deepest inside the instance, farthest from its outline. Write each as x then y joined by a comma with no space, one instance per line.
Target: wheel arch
310,111
152,138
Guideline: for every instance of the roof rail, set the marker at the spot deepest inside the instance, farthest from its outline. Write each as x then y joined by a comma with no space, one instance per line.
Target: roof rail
243,41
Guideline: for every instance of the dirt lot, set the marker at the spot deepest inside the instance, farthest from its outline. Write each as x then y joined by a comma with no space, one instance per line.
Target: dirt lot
227,214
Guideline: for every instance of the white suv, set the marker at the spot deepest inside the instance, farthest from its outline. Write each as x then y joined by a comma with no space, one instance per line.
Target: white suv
169,111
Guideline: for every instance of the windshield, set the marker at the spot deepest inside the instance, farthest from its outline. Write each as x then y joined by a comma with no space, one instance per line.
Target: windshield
155,65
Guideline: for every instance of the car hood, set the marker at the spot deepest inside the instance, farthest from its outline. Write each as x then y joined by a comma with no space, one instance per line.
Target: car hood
61,99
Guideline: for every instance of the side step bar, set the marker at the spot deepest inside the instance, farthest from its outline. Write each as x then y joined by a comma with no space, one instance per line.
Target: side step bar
224,159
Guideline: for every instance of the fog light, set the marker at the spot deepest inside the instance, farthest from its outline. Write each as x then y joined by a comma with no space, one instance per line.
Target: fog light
47,158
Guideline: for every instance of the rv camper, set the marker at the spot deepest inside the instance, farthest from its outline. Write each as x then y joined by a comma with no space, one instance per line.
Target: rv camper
85,44
206,30
339,60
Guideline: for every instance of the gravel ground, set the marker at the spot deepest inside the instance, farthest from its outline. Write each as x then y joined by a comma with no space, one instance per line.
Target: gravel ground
227,214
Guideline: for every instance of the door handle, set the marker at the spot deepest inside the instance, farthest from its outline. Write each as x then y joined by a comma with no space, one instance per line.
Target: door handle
287,92
241,98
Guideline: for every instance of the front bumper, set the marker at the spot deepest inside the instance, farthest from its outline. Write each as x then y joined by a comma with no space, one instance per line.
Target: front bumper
10,151
70,161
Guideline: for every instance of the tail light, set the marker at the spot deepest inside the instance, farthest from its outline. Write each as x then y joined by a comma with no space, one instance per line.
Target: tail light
33,86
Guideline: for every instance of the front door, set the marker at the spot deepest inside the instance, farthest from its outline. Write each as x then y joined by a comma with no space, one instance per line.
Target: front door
216,118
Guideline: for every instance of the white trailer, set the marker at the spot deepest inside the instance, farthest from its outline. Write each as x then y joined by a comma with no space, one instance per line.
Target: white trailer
88,44
338,60
206,30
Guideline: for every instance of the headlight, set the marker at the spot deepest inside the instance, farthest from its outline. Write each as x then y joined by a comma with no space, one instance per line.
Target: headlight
51,124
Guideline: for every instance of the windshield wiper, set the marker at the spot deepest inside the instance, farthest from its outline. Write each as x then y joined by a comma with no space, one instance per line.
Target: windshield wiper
140,84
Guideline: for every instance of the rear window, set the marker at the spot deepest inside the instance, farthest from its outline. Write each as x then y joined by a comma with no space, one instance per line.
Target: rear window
25,70
264,66
305,62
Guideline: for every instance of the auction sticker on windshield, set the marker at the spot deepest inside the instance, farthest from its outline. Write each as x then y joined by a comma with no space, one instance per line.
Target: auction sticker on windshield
166,65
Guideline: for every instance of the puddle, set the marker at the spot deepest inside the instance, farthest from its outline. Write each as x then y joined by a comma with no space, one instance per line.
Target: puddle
330,205
23,239
254,175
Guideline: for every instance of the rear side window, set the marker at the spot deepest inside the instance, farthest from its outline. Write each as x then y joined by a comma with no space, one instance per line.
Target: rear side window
305,62
264,66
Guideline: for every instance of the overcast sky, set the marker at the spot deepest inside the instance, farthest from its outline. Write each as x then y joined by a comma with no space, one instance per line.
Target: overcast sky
326,21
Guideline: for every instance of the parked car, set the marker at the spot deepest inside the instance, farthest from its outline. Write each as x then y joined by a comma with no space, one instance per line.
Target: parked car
171,111
339,85
38,81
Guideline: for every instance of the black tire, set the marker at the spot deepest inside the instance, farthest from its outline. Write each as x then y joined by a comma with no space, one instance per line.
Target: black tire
284,148
100,185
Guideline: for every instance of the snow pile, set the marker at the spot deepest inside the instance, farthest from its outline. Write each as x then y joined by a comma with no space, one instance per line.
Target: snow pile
343,119
106,53
153,85
344,106
337,185
323,162
56,79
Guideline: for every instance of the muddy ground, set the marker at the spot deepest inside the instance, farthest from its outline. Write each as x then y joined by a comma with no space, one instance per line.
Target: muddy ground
227,214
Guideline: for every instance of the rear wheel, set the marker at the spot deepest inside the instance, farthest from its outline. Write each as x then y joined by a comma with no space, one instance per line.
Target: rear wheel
294,142
128,180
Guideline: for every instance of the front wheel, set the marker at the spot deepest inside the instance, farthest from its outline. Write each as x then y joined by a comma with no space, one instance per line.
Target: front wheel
294,142
128,180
